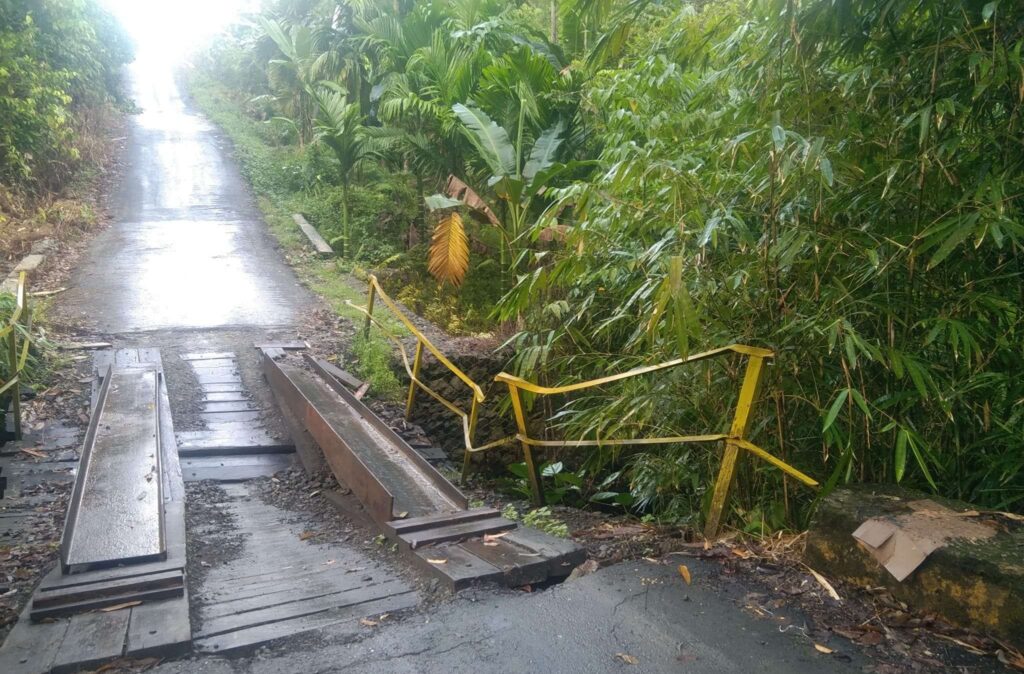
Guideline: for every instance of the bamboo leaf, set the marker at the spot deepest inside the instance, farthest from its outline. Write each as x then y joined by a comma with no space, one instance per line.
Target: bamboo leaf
900,459
833,411
448,258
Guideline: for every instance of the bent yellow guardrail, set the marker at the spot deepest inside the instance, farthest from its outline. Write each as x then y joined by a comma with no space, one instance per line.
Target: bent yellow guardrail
15,361
734,439
422,342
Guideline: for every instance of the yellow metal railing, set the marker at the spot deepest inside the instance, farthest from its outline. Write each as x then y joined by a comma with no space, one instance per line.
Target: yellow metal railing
422,342
734,439
15,360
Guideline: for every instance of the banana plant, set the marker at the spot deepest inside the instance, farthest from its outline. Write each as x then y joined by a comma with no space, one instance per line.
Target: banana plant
517,179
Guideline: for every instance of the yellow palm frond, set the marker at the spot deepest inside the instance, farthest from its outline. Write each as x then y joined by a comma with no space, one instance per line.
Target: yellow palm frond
448,259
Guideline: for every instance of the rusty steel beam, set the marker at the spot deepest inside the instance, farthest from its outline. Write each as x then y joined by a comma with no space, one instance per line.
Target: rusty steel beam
432,474
345,464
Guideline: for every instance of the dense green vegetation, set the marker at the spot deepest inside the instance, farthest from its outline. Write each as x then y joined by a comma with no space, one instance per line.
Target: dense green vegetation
838,180
59,60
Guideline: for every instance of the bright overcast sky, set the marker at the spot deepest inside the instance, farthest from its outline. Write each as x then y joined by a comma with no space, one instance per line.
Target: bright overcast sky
170,29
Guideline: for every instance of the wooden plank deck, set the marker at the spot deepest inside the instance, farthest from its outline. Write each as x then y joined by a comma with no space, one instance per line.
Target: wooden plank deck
155,627
280,585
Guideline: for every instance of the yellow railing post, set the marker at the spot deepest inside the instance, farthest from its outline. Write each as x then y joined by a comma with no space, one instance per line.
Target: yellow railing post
414,379
467,454
12,357
369,304
532,470
744,406
15,364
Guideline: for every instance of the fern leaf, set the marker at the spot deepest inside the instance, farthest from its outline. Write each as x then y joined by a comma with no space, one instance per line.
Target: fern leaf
448,259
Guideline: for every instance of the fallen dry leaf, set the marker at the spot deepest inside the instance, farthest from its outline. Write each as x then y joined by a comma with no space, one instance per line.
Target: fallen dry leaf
627,658
685,573
118,607
367,622
823,649
824,583
306,535
33,452
437,561
1010,658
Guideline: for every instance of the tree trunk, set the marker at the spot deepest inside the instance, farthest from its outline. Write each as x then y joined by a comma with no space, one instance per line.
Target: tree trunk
554,21
345,233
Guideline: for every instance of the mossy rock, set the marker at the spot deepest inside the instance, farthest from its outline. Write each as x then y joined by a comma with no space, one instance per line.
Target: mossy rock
977,584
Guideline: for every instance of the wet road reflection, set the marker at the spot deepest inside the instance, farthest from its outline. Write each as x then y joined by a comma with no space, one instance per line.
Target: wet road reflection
188,248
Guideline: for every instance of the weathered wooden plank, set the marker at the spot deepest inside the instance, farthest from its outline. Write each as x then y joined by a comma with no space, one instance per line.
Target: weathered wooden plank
296,609
520,565
230,441
343,376
454,566
55,580
257,635
206,364
95,603
561,554
211,371
234,468
322,248
225,397
205,380
54,596
235,387
457,532
411,524
159,629
329,593
92,639
221,355
232,417
293,578
31,648
230,406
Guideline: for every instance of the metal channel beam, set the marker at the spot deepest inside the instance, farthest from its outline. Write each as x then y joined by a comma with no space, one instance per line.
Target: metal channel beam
425,468
116,511
345,464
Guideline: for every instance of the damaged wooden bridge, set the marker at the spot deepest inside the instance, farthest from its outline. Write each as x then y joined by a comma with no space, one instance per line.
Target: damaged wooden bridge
122,588
407,497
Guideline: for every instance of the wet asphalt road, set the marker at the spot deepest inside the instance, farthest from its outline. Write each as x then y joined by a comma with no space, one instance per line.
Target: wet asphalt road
189,266
640,610
188,249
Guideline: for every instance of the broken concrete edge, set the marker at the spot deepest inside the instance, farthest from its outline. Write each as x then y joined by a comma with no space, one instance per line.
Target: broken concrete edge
974,584
320,245
30,263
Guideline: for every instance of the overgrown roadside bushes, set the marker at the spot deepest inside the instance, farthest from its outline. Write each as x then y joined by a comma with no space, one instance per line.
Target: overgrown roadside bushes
840,181
60,92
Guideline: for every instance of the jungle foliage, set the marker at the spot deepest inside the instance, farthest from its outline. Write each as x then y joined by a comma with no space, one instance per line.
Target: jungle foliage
59,59
838,180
